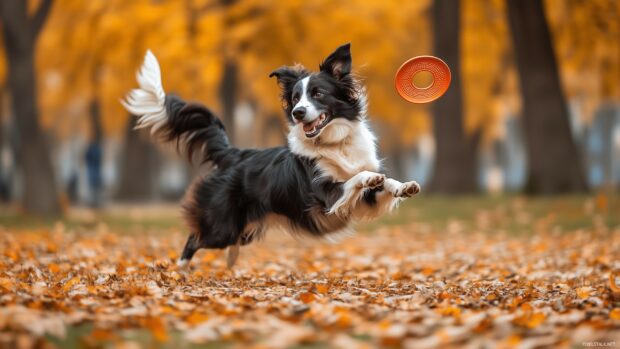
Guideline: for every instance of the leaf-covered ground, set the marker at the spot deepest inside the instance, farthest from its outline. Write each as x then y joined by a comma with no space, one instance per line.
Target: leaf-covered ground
506,277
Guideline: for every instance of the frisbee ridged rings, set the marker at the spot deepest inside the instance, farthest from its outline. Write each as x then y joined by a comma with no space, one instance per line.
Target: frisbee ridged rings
407,89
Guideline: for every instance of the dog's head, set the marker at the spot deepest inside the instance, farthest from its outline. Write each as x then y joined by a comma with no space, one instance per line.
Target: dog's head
324,104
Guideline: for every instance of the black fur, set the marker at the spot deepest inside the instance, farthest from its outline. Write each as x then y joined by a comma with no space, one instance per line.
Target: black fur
195,126
261,182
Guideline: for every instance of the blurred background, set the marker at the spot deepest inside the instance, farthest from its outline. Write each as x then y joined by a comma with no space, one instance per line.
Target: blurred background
534,105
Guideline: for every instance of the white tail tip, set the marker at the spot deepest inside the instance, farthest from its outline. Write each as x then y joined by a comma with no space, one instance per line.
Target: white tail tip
148,101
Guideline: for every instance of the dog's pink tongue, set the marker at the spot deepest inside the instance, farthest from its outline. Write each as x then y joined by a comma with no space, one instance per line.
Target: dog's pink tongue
310,126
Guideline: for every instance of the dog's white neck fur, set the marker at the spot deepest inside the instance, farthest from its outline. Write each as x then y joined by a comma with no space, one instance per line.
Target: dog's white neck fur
343,149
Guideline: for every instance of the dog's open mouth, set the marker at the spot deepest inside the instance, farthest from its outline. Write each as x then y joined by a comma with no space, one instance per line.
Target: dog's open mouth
314,127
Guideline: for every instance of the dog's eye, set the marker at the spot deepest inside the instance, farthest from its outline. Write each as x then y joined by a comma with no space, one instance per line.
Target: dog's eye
295,99
317,94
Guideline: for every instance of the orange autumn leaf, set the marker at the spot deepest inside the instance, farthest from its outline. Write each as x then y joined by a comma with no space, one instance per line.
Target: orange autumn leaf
321,288
196,318
157,328
52,248
6,284
70,283
398,276
307,297
514,340
536,319
614,314
527,307
532,320
53,268
450,311
584,292
444,295
209,257
385,324
427,271
344,319
102,334
12,255
602,202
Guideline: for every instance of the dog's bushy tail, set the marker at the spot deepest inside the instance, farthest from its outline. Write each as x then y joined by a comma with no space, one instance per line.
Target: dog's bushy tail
194,127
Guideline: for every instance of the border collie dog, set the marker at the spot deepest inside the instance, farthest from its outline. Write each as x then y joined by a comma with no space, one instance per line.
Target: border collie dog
326,178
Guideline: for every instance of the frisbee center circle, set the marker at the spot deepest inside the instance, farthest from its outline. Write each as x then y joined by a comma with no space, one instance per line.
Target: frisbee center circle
423,79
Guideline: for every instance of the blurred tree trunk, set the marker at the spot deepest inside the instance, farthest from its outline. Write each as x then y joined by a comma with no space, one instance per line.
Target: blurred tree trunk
554,164
139,166
4,187
228,84
272,133
20,32
228,96
93,157
95,151
394,164
607,115
455,170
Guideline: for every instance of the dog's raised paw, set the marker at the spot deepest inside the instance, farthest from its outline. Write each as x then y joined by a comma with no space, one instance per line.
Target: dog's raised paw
373,181
408,189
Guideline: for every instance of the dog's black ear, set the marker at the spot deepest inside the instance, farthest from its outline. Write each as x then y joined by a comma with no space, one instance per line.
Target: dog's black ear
287,76
338,64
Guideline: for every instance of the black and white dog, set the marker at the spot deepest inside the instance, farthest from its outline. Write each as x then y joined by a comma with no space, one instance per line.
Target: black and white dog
319,184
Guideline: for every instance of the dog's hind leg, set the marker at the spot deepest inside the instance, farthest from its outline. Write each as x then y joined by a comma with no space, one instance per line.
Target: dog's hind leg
231,255
191,246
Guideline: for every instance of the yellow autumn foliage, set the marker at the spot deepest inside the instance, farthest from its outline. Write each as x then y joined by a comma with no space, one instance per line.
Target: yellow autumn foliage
91,50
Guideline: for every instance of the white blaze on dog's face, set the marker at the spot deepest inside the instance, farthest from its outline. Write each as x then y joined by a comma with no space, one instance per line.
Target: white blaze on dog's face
322,106
307,108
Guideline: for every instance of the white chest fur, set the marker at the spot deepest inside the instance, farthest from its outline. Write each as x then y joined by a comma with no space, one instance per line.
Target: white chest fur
342,150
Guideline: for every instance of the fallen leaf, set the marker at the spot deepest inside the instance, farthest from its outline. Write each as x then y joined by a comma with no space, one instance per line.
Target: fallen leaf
307,297
321,288
584,292
157,328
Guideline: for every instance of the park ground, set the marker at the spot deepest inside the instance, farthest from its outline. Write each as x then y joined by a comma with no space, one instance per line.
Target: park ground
509,272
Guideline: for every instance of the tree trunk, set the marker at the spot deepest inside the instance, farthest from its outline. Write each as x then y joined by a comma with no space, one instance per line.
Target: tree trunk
394,163
228,97
20,32
554,164
228,84
272,132
4,186
455,168
139,167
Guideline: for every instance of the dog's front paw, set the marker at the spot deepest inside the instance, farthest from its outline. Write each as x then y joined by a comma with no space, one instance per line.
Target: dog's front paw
407,190
373,180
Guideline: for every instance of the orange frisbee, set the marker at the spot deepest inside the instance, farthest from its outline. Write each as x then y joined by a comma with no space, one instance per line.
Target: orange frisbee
414,94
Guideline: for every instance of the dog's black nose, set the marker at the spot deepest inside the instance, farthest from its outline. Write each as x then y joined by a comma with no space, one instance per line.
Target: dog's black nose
299,113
